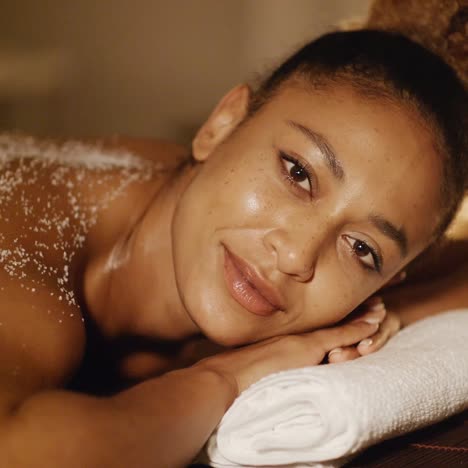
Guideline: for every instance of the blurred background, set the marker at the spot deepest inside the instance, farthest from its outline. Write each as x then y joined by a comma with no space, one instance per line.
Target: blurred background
144,68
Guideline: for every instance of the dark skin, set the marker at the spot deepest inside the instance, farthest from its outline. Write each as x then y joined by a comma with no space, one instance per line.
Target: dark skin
62,346
42,352
410,300
59,346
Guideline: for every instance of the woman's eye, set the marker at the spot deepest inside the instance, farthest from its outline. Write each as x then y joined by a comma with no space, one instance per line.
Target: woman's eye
366,254
297,173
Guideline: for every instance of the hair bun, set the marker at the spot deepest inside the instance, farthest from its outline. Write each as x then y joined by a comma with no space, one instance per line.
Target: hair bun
439,25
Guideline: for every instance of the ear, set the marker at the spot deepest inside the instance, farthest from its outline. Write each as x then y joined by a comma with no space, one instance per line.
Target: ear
227,115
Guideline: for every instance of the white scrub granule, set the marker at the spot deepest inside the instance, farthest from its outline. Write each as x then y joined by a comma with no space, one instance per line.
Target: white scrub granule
54,193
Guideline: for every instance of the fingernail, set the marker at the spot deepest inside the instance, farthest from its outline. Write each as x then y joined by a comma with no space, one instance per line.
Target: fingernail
377,308
371,320
335,351
366,342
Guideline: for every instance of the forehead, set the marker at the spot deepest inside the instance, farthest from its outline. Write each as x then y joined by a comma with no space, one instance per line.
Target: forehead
387,151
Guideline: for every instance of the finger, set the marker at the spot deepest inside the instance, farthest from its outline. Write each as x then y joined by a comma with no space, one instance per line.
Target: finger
372,301
372,310
343,354
343,335
373,343
388,328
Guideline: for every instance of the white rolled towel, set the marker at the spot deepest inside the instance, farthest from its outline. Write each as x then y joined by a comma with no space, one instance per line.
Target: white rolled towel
321,416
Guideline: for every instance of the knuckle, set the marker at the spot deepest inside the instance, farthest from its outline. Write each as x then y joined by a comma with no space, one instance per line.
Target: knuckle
383,337
324,338
395,323
378,342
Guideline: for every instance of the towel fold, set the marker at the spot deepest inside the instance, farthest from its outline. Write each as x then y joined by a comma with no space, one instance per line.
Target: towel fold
321,416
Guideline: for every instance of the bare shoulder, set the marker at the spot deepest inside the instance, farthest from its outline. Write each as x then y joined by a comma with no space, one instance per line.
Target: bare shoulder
51,198
42,339
167,154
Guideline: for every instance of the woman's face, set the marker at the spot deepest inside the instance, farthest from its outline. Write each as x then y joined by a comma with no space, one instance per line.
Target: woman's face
301,212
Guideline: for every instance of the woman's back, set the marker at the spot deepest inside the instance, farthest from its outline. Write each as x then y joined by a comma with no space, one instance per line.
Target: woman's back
61,205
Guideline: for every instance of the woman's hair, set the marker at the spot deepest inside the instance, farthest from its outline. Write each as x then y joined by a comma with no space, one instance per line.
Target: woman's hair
388,65
438,25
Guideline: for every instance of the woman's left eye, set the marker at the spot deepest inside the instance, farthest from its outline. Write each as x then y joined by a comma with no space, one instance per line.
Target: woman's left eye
367,256
297,173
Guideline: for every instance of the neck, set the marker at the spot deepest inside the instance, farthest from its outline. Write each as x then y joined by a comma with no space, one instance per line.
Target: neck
138,291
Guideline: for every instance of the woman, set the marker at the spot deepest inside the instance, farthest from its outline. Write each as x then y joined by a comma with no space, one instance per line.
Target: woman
300,202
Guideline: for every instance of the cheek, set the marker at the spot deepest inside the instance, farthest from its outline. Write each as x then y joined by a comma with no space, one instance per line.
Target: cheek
253,203
252,207
219,198
243,196
336,290
335,293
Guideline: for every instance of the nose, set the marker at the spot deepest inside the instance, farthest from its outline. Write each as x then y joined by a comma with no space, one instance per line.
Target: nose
294,256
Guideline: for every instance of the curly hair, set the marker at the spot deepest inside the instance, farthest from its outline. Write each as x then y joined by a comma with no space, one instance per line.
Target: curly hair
439,25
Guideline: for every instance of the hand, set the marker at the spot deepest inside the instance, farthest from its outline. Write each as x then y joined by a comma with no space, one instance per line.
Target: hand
244,366
374,311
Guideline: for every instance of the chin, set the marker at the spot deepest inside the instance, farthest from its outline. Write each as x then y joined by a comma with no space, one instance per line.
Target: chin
223,325
222,330
208,303
223,338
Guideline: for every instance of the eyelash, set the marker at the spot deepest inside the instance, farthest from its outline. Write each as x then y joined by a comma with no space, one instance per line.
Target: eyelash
303,165
376,257
306,168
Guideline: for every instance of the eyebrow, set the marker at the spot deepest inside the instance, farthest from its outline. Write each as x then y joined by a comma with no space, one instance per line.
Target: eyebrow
324,146
388,229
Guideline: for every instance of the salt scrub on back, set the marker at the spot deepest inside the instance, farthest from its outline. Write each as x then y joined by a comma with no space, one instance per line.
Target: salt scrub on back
51,195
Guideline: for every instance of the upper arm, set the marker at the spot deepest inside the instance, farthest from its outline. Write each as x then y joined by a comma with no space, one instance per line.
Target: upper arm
40,344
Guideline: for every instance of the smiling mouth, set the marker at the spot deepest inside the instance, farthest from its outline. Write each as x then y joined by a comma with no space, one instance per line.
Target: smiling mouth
248,288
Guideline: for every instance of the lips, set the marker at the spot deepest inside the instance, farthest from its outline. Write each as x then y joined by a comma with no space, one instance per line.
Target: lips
248,288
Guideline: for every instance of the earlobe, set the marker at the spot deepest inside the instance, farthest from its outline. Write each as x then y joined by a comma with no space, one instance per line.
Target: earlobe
227,115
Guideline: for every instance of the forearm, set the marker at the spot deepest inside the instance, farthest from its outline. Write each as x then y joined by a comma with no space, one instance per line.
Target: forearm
160,423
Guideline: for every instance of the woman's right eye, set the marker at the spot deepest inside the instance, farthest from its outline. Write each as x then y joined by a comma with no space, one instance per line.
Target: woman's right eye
296,172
